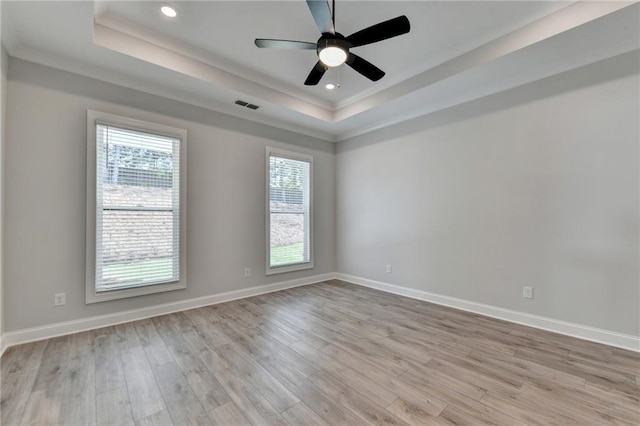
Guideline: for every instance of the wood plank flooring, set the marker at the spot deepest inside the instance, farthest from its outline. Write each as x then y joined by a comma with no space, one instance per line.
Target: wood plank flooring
325,354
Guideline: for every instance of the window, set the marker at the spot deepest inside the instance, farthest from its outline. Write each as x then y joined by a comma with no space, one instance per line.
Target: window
289,207
135,212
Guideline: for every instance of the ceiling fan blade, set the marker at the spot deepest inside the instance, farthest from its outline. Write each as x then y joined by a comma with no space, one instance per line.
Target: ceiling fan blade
382,31
315,75
364,67
322,15
285,44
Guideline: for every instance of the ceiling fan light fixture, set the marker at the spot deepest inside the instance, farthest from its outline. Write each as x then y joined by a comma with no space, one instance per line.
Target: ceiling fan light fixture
333,48
168,11
333,56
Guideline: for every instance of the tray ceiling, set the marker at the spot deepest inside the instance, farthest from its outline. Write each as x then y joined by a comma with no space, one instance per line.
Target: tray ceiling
456,51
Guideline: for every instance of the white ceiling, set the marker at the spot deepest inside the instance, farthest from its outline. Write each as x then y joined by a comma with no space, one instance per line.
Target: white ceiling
456,51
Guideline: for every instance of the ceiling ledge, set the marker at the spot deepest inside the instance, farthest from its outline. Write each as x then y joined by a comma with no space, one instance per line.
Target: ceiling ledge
574,36
561,21
618,33
120,24
150,52
117,34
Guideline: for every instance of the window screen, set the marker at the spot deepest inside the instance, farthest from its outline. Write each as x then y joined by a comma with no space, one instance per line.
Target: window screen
137,208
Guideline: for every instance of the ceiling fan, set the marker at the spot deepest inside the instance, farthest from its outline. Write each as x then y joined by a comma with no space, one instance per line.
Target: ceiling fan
333,48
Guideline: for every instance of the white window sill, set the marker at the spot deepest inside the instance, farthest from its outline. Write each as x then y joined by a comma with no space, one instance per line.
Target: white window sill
289,268
103,296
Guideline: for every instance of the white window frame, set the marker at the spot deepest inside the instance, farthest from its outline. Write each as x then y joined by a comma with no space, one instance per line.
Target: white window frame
298,157
93,118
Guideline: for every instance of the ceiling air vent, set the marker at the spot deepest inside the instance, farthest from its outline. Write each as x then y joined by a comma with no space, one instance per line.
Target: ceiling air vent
247,104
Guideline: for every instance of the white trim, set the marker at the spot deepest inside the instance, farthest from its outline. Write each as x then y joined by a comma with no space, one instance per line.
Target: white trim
92,295
297,156
611,338
68,327
606,337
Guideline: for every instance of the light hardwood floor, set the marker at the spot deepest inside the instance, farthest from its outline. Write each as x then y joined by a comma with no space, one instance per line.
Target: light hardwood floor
331,353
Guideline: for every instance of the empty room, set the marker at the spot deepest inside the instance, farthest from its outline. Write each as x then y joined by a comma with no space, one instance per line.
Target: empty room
312,212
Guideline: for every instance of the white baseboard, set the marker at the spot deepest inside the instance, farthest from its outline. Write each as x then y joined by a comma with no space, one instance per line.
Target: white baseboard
606,337
611,338
68,327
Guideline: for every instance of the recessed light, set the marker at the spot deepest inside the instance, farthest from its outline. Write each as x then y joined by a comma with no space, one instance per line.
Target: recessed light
330,86
168,11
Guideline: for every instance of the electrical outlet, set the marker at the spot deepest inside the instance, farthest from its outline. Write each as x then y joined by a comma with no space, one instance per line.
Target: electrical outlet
247,272
527,292
59,299
388,269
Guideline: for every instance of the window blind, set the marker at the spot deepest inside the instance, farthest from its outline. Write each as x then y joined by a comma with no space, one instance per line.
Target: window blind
137,208
289,207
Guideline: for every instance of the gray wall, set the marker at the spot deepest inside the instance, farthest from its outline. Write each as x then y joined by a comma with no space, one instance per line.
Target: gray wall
537,186
45,194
